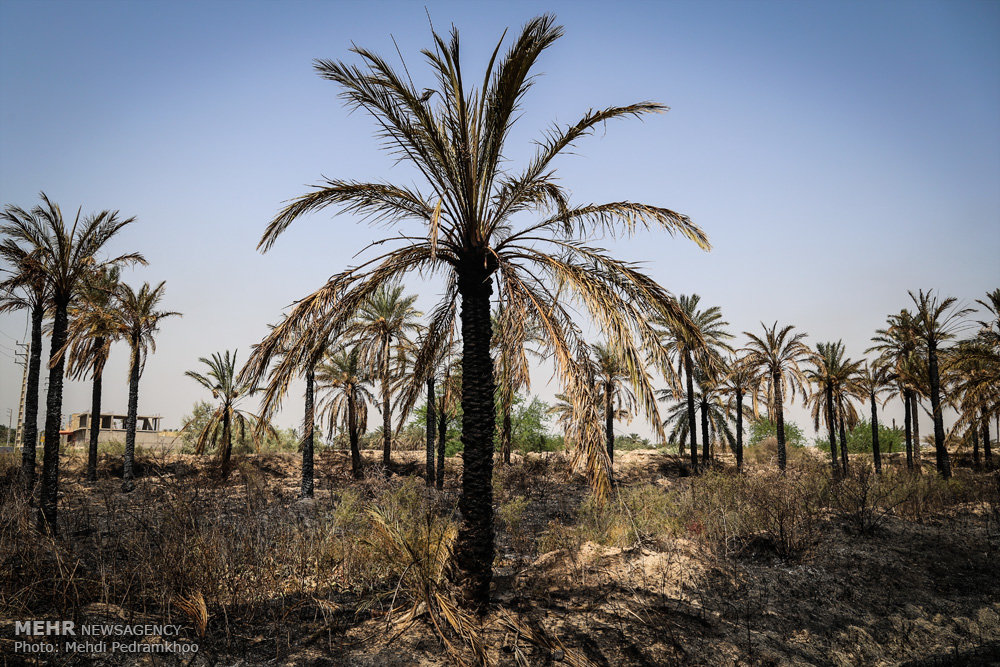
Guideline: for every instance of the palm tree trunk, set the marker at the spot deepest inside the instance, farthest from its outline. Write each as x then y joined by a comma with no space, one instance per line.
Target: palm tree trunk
308,435
876,452
705,453
739,430
474,550
386,421
95,415
692,418
908,428
29,436
352,434
779,420
431,423
915,410
940,451
843,443
128,465
505,434
975,447
442,437
48,497
609,423
227,440
831,422
987,449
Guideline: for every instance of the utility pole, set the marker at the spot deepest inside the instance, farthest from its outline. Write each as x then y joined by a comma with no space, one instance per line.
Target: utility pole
10,415
22,358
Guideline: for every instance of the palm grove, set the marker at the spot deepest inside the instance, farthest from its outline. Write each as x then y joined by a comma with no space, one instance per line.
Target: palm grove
520,282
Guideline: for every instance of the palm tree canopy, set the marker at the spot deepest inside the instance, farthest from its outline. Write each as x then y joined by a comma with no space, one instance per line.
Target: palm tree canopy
777,356
94,323
63,255
139,316
221,379
476,215
342,377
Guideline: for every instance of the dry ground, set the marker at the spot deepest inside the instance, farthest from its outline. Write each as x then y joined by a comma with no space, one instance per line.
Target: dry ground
711,570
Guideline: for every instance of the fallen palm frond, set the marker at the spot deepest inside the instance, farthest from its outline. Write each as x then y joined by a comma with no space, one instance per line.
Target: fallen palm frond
426,550
536,634
195,609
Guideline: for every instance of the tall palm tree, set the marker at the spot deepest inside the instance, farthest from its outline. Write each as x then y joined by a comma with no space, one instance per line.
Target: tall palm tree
618,399
936,321
871,381
25,288
217,432
64,255
740,380
775,357
343,379
483,222
93,327
833,374
299,357
714,417
385,323
139,320
896,346
696,347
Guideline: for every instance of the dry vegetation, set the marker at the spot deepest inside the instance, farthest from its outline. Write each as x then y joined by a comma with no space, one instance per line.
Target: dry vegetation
719,569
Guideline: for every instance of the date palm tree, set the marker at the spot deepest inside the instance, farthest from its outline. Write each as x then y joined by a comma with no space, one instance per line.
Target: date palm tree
896,346
217,433
936,321
343,380
618,399
696,348
64,255
775,358
871,381
714,417
833,374
740,380
93,327
139,320
385,324
482,222
25,288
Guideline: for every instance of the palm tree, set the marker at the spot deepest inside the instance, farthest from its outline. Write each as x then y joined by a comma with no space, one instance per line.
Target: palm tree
896,346
833,374
26,288
618,399
937,321
872,380
514,336
299,357
385,322
93,327
217,432
775,358
139,321
698,346
473,222
740,380
64,255
343,380
714,417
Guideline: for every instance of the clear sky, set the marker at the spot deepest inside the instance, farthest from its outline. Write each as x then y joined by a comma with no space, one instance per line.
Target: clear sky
837,154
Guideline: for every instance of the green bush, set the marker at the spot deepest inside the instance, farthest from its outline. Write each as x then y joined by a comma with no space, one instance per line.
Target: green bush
859,439
763,428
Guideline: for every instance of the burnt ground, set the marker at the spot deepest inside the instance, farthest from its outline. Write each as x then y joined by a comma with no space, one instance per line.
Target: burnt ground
919,588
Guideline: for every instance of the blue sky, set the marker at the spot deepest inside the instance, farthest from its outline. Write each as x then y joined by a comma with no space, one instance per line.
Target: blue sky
837,154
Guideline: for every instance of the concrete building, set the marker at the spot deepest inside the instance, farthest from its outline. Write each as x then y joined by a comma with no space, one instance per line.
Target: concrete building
112,429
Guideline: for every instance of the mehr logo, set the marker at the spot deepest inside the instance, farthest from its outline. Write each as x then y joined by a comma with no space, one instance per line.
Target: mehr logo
42,628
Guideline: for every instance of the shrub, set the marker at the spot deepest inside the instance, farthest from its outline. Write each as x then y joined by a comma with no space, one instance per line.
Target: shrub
762,429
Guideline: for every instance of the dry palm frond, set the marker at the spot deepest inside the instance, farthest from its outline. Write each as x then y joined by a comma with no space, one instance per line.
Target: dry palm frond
195,609
537,635
425,549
